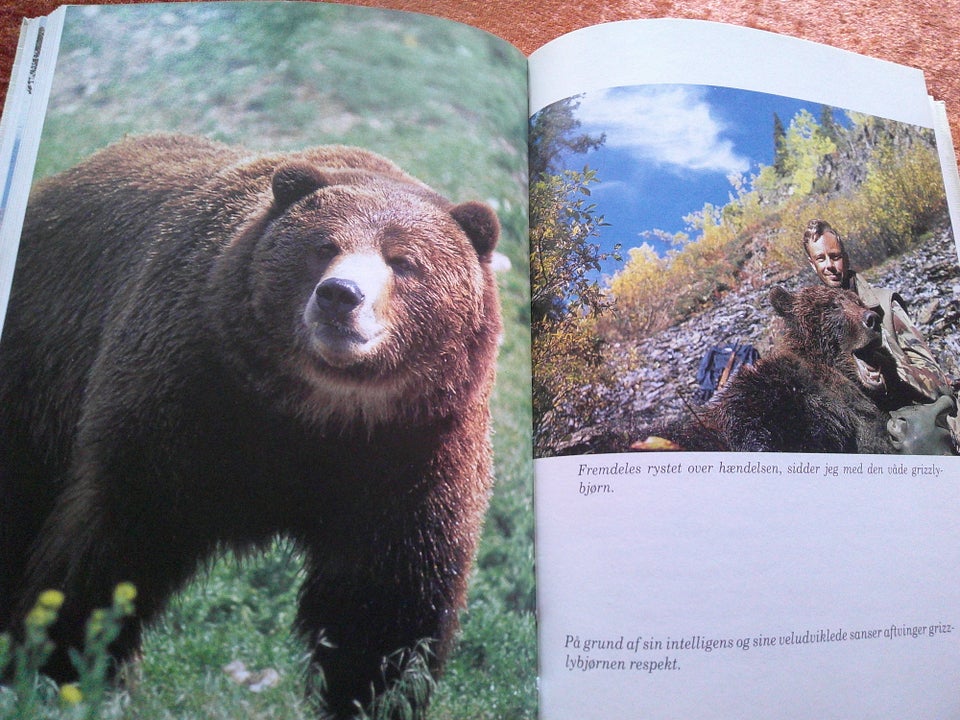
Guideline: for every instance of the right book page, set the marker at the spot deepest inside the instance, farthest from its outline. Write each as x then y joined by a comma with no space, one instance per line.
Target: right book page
688,313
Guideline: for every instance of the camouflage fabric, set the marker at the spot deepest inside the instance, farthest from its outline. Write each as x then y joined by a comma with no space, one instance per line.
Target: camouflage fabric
916,365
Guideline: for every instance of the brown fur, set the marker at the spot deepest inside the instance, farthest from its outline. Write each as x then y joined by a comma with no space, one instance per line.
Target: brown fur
168,387
806,395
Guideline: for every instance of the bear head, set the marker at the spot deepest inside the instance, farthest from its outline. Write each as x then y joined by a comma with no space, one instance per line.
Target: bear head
833,327
374,292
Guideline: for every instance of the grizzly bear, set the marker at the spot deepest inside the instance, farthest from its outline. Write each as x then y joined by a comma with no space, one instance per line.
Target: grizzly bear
206,349
827,386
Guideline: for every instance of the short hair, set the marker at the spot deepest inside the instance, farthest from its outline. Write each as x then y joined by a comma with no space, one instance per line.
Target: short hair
817,228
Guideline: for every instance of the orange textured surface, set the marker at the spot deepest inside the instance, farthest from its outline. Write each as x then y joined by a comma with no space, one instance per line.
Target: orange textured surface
921,33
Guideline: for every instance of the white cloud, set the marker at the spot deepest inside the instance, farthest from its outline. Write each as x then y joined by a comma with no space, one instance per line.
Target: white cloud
667,125
607,186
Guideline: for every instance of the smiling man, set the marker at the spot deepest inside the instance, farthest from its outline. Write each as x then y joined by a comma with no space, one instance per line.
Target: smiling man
826,254
921,426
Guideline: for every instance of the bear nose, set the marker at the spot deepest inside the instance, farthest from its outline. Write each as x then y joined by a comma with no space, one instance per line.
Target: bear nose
871,320
338,296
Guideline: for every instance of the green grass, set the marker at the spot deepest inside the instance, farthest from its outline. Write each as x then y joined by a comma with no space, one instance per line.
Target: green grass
449,105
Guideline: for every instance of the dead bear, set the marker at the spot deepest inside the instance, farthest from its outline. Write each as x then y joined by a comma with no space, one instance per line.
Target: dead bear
827,386
206,348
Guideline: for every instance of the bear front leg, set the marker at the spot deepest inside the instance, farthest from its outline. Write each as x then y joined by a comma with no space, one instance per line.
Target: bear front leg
26,499
88,546
377,639
365,646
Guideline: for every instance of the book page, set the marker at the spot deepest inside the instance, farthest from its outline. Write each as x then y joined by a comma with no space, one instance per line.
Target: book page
247,112
22,122
675,167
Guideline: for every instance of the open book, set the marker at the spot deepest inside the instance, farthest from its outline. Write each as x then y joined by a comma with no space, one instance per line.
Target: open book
673,167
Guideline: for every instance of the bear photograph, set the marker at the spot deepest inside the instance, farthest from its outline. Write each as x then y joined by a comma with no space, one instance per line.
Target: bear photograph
264,369
762,273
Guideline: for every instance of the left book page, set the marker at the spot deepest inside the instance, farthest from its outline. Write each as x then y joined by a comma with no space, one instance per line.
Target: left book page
365,496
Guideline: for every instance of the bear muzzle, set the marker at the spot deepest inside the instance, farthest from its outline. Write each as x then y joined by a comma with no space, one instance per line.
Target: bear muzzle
341,318
336,298
869,357
871,321
870,362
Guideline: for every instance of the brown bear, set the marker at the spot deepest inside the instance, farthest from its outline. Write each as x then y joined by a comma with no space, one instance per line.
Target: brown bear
827,386
205,349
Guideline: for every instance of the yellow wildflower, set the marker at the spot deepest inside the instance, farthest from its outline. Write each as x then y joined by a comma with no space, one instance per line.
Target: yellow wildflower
123,596
70,694
40,617
51,599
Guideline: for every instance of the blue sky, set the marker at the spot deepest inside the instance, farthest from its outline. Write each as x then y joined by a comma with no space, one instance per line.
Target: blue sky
672,148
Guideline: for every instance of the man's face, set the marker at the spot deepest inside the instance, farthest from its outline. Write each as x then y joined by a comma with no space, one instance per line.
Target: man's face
827,259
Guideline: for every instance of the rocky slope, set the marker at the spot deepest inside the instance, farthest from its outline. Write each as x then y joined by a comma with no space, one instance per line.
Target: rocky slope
655,377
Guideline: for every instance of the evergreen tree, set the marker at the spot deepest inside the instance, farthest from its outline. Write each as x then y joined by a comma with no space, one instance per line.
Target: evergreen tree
553,132
828,125
564,257
779,147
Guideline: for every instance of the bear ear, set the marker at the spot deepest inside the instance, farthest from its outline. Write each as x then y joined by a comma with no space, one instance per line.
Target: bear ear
782,301
480,223
296,180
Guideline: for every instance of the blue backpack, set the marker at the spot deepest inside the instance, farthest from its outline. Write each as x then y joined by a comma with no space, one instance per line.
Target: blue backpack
718,365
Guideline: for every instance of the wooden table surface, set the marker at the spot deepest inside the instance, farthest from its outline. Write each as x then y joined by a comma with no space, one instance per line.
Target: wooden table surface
921,33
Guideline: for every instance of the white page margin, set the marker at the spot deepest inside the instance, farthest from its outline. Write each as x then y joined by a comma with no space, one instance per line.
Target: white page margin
697,52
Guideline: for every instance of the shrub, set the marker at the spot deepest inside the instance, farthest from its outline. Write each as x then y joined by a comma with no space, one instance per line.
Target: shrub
33,696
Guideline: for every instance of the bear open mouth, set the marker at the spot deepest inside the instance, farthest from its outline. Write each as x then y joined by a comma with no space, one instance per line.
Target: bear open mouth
870,367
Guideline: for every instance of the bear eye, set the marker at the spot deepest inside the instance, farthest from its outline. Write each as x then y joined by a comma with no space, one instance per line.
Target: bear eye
403,264
326,252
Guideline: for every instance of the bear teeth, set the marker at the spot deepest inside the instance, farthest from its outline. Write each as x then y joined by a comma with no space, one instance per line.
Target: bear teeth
870,375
